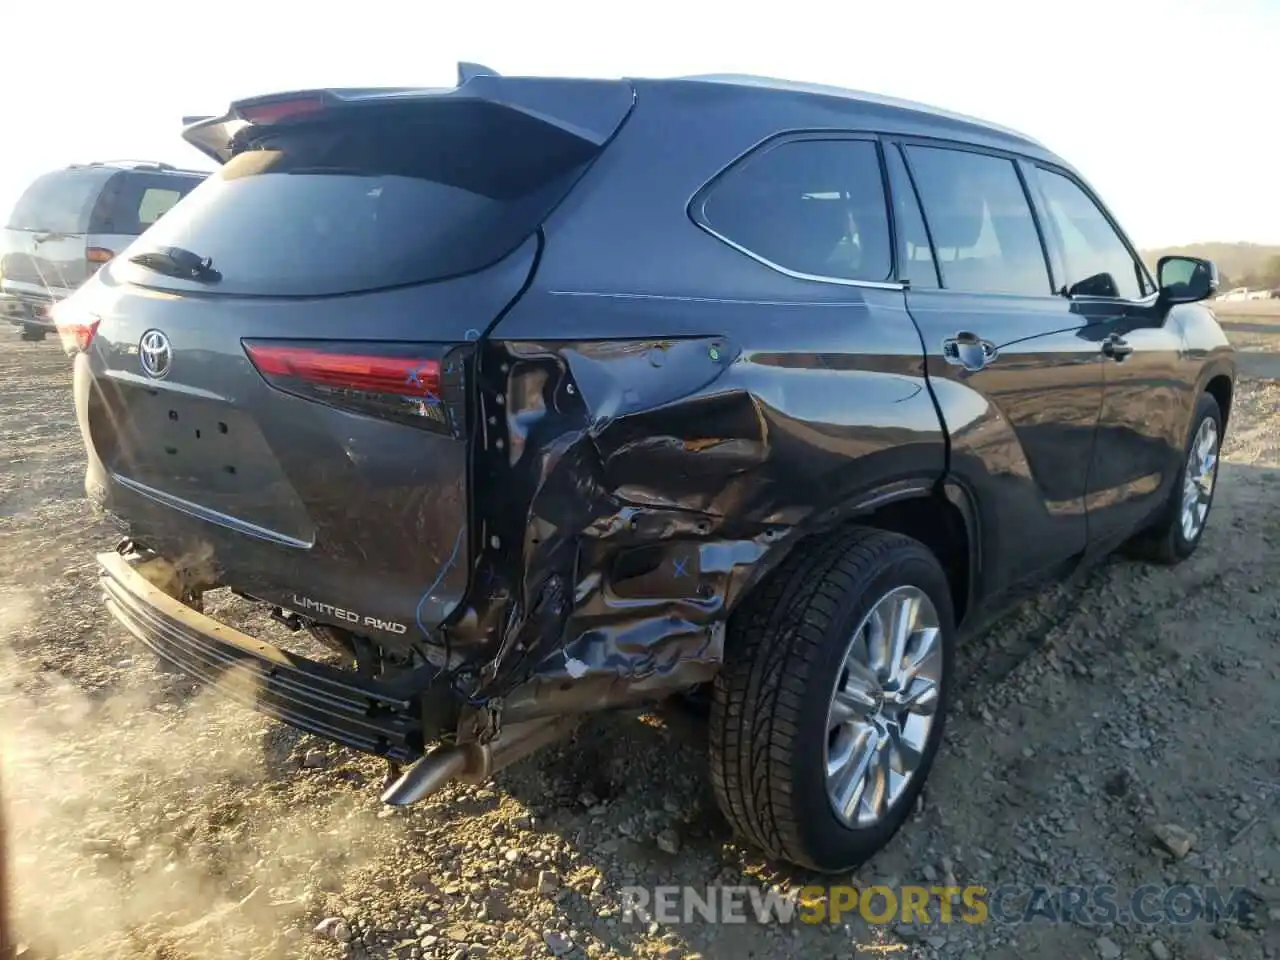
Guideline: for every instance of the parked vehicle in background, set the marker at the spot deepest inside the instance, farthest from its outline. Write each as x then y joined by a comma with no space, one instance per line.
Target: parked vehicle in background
1247,293
69,222
536,397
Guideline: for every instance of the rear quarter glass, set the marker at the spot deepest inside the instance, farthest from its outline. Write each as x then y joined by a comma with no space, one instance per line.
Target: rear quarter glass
389,198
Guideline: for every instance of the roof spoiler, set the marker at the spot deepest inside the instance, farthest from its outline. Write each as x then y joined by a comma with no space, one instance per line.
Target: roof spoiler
589,109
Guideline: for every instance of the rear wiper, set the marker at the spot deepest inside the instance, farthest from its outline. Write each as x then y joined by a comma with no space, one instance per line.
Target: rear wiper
180,263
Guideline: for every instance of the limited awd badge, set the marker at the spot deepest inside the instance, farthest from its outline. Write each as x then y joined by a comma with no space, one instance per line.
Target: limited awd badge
307,605
155,353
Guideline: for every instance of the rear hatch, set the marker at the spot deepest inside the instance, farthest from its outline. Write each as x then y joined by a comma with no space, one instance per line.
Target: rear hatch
282,362
42,247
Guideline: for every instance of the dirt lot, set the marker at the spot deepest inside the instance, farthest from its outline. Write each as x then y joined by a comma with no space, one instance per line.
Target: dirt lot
155,821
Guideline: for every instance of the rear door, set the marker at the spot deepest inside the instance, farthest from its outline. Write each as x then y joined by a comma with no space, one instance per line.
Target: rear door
292,393
1016,374
43,245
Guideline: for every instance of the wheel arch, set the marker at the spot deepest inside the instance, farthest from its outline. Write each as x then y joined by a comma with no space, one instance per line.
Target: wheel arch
939,514
1219,382
943,518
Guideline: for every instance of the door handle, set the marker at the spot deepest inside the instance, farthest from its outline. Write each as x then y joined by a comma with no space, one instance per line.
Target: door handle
1116,347
968,350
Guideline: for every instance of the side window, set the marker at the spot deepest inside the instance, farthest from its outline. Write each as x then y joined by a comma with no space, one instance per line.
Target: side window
984,232
156,202
1097,262
132,201
815,207
915,255
112,213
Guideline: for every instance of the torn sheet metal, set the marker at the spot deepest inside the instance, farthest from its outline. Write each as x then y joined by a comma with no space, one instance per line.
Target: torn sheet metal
632,490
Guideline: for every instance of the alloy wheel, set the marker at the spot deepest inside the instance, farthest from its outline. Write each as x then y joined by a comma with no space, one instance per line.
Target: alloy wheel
1201,475
883,706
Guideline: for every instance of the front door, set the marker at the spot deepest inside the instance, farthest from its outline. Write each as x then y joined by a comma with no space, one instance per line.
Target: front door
1016,372
1144,409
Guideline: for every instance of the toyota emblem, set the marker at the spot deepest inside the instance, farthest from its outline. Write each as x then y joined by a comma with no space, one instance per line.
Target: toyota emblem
156,354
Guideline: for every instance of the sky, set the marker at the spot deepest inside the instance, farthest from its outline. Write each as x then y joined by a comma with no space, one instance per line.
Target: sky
1167,107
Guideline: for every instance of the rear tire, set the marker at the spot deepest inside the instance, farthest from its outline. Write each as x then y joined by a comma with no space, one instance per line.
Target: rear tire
1168,542
787,670
33,333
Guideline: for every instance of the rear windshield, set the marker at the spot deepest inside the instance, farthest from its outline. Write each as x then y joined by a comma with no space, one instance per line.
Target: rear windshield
374,198
59,202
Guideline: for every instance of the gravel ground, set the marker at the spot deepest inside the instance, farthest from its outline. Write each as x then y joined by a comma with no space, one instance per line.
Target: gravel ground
154,821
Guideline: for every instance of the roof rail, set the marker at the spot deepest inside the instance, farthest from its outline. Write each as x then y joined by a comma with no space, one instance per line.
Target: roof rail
151,164
776,83
157,165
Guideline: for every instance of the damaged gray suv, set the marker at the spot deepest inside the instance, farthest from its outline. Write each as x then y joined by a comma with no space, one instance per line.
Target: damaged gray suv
536,397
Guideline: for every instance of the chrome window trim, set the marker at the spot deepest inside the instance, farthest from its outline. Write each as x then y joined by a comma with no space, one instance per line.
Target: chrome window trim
796,274
1147,301
772,142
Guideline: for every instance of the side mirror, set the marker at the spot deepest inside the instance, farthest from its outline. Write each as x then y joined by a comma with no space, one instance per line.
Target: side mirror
1186,279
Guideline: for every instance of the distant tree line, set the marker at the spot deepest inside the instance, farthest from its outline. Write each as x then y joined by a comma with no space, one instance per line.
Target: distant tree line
1266,277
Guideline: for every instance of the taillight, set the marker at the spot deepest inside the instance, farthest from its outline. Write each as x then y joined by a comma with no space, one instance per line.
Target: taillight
395,384
98,255
76,331
281,109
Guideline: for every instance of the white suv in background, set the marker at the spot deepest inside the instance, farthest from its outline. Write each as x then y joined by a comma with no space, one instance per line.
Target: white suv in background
69,222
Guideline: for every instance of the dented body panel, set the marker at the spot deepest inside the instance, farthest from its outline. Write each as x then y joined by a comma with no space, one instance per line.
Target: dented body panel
660,479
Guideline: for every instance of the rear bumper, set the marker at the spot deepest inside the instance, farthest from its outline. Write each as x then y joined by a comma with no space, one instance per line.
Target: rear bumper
331,703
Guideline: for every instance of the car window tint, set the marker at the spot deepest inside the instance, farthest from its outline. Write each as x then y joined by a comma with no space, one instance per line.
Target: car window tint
1097,262
984,233
815,207
134,200
156,202
915,255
